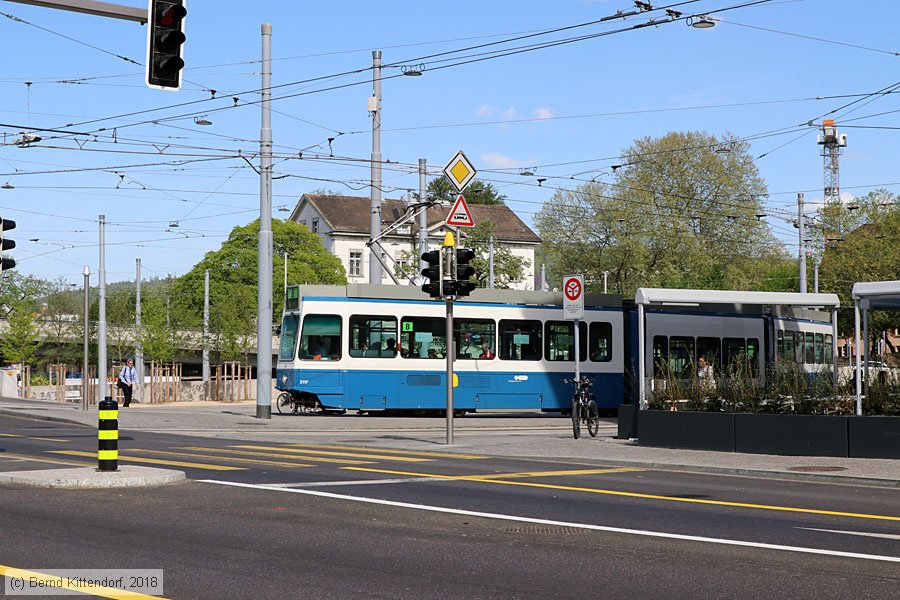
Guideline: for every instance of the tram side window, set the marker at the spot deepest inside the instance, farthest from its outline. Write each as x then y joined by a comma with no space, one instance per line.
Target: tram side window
601,342
560,340
734,352
288,342
681,356
799,348
710,348
520,340
820,349
474,339
373,336
753,356
660,354
829,349
321,337
810,349
423,337
788,352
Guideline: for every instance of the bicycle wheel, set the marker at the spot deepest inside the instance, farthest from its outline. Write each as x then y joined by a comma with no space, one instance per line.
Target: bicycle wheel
592,418
576,417
283,403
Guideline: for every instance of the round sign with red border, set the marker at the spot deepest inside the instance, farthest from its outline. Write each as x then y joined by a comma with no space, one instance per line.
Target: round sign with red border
572,289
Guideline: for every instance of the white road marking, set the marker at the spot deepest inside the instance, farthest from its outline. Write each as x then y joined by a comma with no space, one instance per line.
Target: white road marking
884,536
654,534
360,482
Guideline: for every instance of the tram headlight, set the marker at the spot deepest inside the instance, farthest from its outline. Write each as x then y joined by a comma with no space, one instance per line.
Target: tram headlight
284,379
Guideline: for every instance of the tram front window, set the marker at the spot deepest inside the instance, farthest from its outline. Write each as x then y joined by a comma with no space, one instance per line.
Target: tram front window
288,341
321,337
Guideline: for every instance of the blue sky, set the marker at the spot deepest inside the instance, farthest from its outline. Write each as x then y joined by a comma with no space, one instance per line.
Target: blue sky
564,112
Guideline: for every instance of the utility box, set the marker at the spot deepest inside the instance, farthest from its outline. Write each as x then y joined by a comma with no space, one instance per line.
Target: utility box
9,383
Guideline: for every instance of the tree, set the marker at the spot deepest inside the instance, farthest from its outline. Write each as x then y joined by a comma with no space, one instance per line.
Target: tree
233,271
868,250
676,213
19,344
507,266
63,323
477,192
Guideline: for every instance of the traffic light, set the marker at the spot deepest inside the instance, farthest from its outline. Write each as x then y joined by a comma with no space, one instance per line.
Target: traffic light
165,38
433,273
464,271
5,244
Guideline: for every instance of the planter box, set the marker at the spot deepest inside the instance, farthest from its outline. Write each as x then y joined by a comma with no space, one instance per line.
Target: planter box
791,435
628,421
684,429
874,437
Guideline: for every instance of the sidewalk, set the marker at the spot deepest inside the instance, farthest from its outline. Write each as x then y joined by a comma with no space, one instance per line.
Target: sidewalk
506,434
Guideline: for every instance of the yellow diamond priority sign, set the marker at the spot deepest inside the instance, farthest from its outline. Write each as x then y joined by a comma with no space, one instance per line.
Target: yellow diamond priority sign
460,171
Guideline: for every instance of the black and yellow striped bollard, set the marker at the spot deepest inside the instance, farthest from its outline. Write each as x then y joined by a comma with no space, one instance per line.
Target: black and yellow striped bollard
108,435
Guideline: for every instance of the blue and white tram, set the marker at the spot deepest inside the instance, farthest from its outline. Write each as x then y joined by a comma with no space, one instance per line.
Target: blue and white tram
375,348
757,329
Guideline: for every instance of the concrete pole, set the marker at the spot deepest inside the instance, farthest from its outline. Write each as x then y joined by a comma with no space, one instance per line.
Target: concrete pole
802,226
264,258
85,380
284,290
605,275
543,277
375,195
423,217
102,367
138,348
491,263
858,358
206,327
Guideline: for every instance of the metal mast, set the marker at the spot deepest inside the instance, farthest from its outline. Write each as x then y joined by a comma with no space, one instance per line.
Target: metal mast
831,142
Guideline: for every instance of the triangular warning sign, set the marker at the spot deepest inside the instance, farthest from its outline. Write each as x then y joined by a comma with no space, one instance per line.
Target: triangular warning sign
460,216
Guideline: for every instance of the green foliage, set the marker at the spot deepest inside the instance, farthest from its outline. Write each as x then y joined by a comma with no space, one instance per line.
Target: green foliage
676,214
507,266
477,192
233,279
865,246
159,340
19,344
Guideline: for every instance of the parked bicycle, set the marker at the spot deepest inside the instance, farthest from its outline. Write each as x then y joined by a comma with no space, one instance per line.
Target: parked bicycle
584,407
288,403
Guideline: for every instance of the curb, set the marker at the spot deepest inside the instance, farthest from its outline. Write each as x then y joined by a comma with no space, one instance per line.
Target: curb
90,478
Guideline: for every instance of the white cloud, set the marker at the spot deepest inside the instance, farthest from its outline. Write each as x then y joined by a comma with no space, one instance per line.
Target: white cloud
543,113
499,161
487,110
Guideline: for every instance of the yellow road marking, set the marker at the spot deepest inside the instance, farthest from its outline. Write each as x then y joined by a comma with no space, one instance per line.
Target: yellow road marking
340,461
384,451
28,437
327,453
156,461
561,473
216,457
59,583
58,461
483,479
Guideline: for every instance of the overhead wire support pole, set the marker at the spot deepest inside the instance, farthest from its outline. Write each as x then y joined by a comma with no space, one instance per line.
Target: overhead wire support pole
138,348
423,216
264,250
102,387
802,254
375,273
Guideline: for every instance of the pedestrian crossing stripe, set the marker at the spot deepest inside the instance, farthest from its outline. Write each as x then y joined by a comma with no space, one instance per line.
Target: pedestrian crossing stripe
29,437
386,451
330,453
155,461
214,457
322,459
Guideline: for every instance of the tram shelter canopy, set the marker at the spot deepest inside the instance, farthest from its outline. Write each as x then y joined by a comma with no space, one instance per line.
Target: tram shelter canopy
737,300
870,295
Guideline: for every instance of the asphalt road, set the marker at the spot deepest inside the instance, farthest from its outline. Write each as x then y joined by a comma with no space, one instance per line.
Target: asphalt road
313,521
